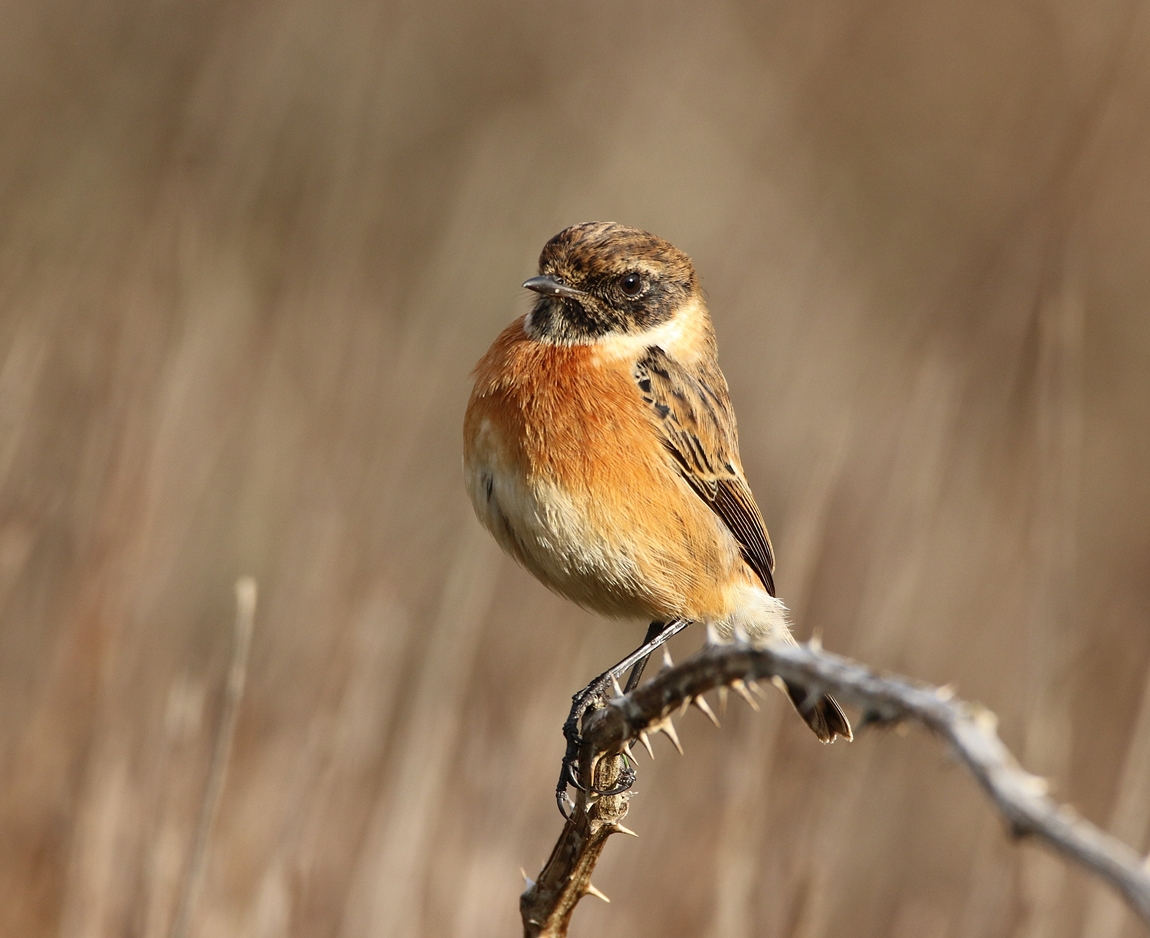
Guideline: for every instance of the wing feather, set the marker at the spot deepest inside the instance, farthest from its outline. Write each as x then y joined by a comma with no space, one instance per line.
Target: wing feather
693,414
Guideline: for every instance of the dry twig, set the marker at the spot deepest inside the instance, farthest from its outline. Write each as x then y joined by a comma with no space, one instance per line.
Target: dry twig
970,729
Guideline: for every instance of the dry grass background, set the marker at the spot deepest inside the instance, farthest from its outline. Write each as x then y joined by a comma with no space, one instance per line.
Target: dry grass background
249,253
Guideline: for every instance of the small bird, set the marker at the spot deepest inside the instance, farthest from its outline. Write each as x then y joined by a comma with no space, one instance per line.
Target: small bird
600,448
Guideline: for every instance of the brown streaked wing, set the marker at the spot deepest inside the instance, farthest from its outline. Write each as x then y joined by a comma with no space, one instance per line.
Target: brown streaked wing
693,414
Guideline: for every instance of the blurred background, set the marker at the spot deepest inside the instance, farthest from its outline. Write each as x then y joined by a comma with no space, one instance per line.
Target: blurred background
250,252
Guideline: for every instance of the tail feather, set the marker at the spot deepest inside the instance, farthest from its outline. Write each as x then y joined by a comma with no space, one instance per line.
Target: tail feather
824,715
761,617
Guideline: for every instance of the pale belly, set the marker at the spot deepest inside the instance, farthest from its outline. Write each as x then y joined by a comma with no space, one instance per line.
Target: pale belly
568,545
560,540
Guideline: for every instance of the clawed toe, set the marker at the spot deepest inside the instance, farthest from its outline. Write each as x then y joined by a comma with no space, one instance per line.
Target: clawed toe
595,695
569,776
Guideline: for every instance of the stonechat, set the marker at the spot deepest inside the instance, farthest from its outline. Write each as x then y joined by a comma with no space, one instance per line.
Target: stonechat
600,448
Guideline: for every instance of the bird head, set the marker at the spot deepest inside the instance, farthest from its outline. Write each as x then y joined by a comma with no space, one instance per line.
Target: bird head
599,279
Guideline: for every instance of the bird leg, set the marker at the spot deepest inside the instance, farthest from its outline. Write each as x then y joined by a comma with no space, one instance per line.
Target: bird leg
595,694
654,630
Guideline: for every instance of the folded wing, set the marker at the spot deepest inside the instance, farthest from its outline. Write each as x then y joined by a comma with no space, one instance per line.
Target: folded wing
694,417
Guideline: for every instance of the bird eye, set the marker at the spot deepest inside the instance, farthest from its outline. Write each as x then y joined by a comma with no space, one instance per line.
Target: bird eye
631,284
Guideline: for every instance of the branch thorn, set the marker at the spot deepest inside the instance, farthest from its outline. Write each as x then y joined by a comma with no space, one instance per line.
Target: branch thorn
701,703
592,890
739,686
985,720
667,728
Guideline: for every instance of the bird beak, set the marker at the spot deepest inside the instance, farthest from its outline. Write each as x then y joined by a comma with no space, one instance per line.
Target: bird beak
549,286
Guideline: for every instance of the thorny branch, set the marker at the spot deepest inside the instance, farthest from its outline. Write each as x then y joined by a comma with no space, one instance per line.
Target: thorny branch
970,729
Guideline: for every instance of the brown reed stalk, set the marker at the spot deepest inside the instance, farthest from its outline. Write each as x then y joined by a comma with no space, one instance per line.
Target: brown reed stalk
221,756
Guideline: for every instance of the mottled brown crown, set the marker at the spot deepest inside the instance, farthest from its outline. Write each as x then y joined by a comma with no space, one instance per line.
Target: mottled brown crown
603,247
595,258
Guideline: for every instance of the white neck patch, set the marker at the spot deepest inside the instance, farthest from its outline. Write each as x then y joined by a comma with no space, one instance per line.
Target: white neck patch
682,336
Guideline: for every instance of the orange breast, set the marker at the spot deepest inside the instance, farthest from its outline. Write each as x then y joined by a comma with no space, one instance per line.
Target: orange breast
564,467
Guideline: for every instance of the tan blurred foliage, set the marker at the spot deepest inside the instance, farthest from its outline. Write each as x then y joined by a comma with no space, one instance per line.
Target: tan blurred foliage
249,253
